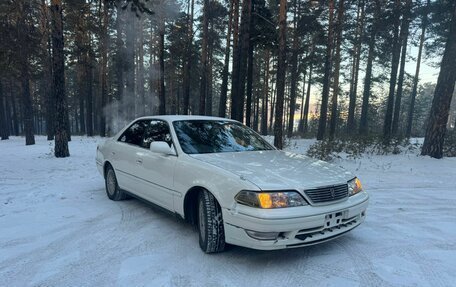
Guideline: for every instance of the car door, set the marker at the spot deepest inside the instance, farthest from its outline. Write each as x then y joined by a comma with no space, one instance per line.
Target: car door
156,170
124,156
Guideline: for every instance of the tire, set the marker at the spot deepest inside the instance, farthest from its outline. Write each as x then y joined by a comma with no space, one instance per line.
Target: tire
112,188
210,223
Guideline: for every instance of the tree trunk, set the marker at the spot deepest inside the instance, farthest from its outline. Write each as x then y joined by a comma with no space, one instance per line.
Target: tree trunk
88,77
438,118
188,59
161,93
82,129
210,58
152,101
327,76
424,23
104,67
119,63
256,113
307,104
27,108
204,71
141,102
286,102
47,70
82,68
235,70
3,119
273,102
224,87
281,70
351,126
58,58
334,108
250,66
294,71
393,76
363,125
238,88
245,51
265,98
129,67
400,82
15,116
67,123
303,99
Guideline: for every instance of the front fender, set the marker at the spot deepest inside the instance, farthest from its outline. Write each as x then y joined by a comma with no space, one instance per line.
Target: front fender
223,184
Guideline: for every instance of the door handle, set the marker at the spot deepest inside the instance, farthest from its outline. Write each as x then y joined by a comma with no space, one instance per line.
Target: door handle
113,153
139,161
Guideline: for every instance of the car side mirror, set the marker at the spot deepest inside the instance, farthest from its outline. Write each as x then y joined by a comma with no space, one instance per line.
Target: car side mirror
162,148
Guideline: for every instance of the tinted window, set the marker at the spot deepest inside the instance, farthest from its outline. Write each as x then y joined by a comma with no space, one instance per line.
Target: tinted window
134,134
200,136
143,132
156,131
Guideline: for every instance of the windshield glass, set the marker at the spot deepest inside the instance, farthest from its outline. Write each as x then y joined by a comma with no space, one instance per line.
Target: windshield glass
204,136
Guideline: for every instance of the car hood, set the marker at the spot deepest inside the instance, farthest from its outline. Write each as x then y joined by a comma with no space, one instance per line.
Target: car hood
273,170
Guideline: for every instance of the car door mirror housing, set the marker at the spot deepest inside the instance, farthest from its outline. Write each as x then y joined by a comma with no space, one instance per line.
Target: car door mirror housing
162,148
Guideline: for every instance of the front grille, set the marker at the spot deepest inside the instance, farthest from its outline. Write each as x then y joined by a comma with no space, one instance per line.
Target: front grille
327,193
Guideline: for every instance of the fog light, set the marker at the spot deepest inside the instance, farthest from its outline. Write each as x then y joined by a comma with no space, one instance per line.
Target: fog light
262,235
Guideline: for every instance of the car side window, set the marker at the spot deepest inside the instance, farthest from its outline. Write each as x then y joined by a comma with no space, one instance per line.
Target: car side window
156,130
143,132
134,134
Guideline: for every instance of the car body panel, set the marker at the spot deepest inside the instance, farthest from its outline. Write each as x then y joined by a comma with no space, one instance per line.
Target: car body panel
221,183
352,215
156,172
278,170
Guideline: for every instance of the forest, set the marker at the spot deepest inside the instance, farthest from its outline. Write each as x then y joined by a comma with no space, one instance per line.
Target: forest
298,68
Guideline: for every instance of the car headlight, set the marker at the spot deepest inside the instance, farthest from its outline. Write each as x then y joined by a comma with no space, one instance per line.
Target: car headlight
275,199
354,186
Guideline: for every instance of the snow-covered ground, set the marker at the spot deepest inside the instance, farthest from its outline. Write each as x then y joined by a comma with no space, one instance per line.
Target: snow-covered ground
57,228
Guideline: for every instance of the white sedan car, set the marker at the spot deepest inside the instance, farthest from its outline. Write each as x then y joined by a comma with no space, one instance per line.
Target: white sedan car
227,180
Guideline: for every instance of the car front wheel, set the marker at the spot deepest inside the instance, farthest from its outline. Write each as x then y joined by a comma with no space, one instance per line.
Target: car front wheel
112,188
210,223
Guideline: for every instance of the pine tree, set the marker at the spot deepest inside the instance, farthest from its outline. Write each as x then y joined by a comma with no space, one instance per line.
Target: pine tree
351,125
438,118
337,60
411,109
61,132
281,70
327,75
224,87
27,109
265,98
363,124
400,82
294,70
3,121
394,68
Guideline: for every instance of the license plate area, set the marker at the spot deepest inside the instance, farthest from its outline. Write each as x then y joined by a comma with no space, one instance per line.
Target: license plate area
334,219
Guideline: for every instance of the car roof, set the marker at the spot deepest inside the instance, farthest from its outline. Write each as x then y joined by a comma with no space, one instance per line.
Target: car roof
172,118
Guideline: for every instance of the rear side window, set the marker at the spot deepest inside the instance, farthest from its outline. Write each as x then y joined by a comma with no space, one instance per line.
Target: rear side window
143,132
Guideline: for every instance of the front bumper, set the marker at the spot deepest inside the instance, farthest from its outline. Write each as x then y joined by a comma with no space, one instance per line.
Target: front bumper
298,226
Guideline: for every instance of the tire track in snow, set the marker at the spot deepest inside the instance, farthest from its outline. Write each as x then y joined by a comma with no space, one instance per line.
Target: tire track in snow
27,265
431,274
362,260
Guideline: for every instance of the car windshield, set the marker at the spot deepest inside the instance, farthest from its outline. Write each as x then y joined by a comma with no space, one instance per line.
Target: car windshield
208,136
